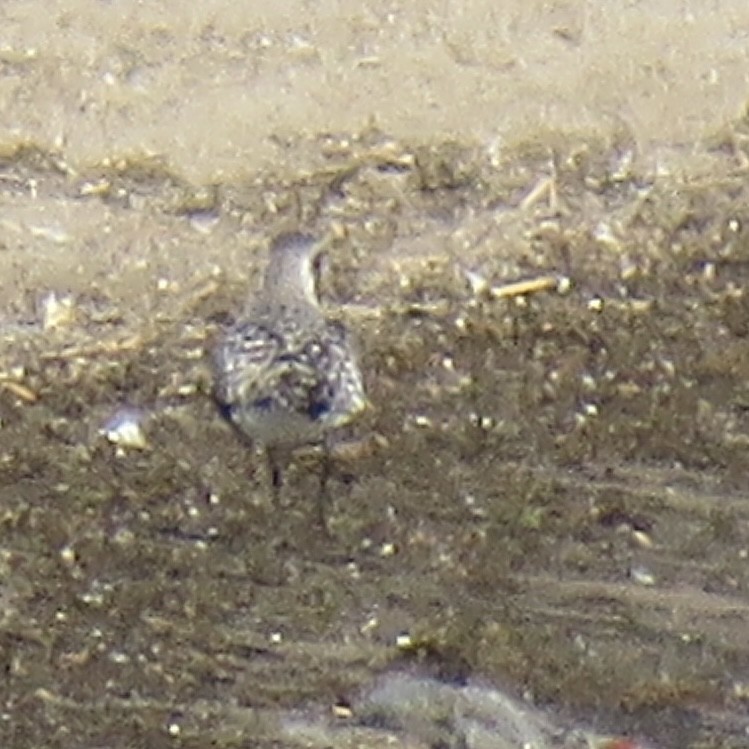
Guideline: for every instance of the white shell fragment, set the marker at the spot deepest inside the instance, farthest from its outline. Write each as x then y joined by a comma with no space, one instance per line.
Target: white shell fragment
476,282
642,575
124,429
56,311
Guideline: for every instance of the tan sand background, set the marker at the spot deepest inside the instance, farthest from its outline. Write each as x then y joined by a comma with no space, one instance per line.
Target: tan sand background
215,86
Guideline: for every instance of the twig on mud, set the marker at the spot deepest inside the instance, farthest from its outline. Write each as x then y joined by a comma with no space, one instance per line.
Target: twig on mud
546,187
481,288
521,288
130,343
20,391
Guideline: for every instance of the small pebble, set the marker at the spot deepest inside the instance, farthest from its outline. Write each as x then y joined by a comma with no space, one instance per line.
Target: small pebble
642,539
564,285
403,641
642,575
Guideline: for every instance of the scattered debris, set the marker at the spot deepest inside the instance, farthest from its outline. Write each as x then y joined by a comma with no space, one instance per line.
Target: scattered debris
56,311
124,429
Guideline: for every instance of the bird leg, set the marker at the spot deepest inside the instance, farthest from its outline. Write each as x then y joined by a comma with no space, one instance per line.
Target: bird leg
275,457
325,471
274,473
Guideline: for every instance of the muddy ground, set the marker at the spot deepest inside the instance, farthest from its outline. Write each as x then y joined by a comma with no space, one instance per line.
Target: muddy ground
554,499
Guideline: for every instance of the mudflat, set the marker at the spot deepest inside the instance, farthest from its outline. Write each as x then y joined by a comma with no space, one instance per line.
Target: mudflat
537,218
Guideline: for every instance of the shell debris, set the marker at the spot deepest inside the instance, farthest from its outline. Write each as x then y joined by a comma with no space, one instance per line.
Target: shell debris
56,311
124,429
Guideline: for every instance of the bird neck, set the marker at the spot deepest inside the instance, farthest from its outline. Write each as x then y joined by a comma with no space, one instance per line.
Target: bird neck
290,280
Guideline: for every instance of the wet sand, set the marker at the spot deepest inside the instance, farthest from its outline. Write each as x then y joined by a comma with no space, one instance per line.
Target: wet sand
554,501
218,90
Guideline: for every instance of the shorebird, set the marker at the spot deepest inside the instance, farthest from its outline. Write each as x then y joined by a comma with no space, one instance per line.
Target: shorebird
286,375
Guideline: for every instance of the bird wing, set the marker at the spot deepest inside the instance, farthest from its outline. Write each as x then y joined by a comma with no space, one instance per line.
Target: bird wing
264,369
271,368
242,360
344,386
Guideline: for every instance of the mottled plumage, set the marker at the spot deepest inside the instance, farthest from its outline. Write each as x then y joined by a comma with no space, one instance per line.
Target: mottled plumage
285,375
285,384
